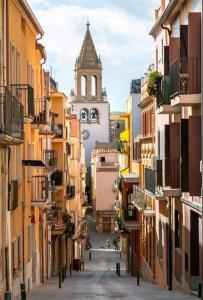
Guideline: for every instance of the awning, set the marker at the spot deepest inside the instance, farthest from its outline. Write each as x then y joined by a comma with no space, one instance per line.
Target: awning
33,163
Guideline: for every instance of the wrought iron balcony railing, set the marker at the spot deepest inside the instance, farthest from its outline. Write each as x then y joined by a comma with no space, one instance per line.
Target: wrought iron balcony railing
40,189
57,178
70,191
41,111
57,130
50,158
150,180
11,118
185,76
130,213
25,95
162,90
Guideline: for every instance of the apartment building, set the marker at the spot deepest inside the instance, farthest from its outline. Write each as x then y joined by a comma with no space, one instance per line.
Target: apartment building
177,34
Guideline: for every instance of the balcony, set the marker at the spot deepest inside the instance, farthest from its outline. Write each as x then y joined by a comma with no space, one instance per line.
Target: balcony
40,189
150,180
50,159
142,202
130,213
11,119
25,95
57,130
57,178
70,191
185,81
41,115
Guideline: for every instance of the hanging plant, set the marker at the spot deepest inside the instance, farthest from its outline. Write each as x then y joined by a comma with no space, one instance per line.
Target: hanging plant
152,81
69,226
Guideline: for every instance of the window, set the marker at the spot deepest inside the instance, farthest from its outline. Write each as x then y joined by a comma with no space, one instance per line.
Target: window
14,65
102,159
30,75
84,115
83,85
94,85
94,115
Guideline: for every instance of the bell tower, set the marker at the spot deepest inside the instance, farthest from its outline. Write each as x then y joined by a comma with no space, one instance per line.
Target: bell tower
89,99
88,71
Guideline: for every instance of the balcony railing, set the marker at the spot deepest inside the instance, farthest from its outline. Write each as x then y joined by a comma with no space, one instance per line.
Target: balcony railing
25,94
57,178
50,158
11,117
70,191
40,189
185,76
130,213
57,130
41,111
150,180
162,90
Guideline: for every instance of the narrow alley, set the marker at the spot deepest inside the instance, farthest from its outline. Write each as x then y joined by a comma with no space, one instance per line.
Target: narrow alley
99,280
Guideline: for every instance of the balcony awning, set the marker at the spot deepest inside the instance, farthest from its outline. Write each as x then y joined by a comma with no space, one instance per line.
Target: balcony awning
33,163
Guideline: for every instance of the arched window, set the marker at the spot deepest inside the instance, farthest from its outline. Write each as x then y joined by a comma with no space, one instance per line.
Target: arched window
84,115
83,85
94,115
94,85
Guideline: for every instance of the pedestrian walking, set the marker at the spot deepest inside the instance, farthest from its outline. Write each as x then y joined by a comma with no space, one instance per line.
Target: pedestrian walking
108,243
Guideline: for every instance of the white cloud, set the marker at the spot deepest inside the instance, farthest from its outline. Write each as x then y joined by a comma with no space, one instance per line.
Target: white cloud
121,39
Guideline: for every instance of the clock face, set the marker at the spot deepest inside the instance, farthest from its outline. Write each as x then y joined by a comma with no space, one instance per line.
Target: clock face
85,134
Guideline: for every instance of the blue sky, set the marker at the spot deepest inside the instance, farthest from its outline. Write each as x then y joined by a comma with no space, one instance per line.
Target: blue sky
120,32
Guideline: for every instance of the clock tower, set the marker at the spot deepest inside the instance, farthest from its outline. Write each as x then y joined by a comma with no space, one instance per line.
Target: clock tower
89,99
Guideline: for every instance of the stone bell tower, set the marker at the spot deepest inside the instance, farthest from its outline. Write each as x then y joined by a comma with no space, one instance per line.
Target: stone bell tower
89,99
88,71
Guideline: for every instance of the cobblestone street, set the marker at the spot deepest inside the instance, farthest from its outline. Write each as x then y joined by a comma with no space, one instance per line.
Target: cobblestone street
99,280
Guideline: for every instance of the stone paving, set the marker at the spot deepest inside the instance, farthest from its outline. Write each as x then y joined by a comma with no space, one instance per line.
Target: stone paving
99,280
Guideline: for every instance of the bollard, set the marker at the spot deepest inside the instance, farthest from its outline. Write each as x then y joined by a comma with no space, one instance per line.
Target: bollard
116,268
70,269
60,278
120,254
65,271
138,279
63,276
199,290
7,296
23,291
119,269
83,265
90,255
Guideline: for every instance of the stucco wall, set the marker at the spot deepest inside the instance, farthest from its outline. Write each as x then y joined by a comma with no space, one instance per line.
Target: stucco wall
105,196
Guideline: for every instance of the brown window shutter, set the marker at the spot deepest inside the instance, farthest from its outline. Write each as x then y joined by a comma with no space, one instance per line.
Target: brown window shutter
159,173
194,155
14,194
166,60
167,156
174,49
184,155
194,52
183,41
175,154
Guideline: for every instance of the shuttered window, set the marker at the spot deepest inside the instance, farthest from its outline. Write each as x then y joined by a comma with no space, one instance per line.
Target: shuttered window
194,129
184,155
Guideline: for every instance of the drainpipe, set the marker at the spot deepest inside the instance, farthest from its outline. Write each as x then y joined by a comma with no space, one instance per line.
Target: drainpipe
202,141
